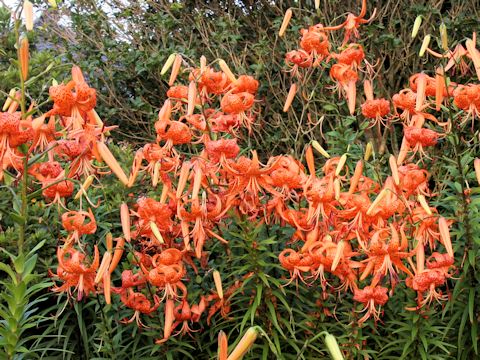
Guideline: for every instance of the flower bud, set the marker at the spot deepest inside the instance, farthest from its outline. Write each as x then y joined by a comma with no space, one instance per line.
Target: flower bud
333,348
426,41
416,26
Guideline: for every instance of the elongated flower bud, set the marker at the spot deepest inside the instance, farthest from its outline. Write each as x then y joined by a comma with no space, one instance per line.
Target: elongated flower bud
377,201
445,235
285,22
109,241
356,177
86,184
443,36
423,204
192,95
290,97
336,188
107,258
476,165
107,288
112,163
28,14
203,64
125,219
316,145
10,99
168,64
117,254
338,255
175,69
368,89
425,43
394,167
333,348
310,160
223,65
317,4
222,346
24,58
340,165
244,345
474,54
421,87
416,26
368,151
156,232
218,283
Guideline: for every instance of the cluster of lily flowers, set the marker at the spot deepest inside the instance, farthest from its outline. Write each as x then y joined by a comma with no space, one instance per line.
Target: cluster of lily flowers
352,233
343,239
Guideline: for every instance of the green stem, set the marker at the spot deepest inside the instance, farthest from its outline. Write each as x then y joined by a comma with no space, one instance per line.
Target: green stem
24,209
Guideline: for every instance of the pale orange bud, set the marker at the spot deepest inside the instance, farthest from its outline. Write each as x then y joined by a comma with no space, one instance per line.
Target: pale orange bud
166,111
156,232
475,55
107,258
164,194
310,160
203,64
368,89
445,235
117,254
77,74
28,14
223,65
168,64
290,97
317,4
402,155
218,283
341,164
351,96
109,241
439,87
177,63
285,22
222,346
356,177
316,145
338,255
420,257
112,163
244,345
156,173
197,182
421,86
377,201
125,219
182,179
107,288
192,95
24,58
394,168
336,188
423,203
83,189
169,318
476,166
137,164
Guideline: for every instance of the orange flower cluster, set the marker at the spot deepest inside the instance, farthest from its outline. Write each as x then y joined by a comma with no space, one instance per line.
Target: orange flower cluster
352,233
